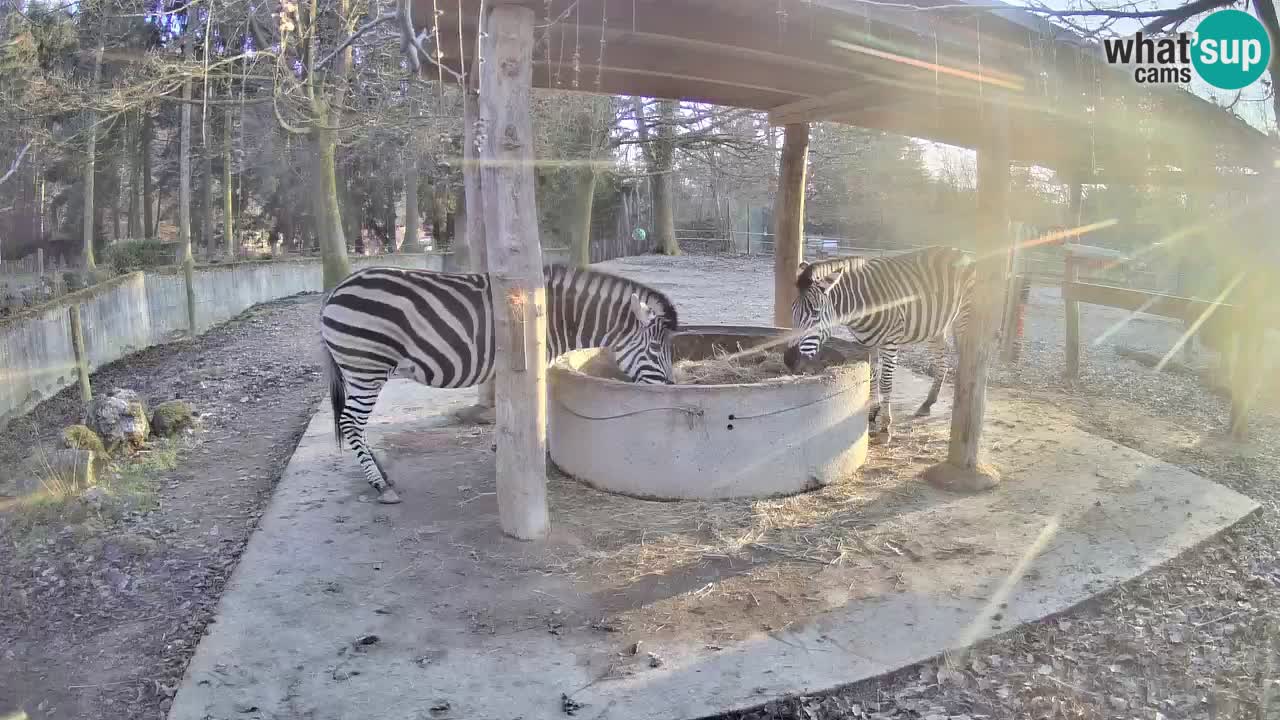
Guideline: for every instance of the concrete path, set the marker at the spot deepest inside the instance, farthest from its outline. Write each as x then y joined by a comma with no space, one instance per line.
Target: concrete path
342,608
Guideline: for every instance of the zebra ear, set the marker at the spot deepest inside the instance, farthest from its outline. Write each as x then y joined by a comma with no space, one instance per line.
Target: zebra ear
640,310
828,282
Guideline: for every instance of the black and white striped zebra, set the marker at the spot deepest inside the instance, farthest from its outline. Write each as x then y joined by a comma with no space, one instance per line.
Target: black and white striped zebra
437,329
885,302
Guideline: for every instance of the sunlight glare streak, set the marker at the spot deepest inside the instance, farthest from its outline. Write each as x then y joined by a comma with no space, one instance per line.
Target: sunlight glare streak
982,621
1199,321
1013,83
1174,237
1123,321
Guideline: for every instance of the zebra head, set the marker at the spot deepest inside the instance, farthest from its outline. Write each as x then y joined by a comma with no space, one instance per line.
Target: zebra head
814,316
643,352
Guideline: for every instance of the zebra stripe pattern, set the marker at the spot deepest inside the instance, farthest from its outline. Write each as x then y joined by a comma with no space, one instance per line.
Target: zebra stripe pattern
885,302
437,329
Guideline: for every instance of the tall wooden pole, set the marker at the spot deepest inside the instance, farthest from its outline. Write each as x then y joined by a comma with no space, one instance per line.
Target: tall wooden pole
962,470
515,267
788,245
1070,274
477,248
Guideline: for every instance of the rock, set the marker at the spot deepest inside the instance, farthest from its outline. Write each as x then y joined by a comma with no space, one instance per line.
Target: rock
120,419
80,437
95,497
63,472
171,418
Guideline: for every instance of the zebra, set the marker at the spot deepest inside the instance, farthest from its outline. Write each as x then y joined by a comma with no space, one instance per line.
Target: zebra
886,302
437,329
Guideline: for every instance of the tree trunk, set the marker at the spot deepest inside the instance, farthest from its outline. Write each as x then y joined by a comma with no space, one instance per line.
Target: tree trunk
584,196
333,244
206,188
184,194
389,218
228,216
659,149
115,219
149,219
412,217
439,214
664,222
89,166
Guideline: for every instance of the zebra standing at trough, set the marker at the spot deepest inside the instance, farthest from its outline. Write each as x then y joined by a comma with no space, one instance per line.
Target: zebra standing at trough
886,302
438,330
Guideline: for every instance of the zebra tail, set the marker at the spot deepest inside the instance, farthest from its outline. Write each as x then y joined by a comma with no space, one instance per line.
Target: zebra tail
337,393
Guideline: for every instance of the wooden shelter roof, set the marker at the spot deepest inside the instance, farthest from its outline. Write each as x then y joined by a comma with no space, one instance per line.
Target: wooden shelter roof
924,74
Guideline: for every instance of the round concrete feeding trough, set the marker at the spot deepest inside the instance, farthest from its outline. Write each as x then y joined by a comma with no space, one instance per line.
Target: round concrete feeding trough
776,437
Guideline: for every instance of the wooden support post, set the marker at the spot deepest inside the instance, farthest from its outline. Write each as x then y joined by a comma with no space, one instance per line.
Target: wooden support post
788,245
40,261
962,469
1012,301
477,249
1070,274
515,266
1244,375
82,356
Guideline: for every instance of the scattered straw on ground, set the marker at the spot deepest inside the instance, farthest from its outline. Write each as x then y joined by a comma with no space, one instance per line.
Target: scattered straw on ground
864,515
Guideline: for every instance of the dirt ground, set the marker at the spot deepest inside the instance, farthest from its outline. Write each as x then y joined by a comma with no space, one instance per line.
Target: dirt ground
102,626
99,620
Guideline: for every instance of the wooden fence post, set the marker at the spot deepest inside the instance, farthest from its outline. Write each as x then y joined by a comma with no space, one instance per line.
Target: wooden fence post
40,261
515,267
1070,274
82,356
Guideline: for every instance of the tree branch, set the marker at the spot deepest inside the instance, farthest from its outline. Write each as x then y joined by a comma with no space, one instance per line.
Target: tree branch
16,162
1189,10
384,17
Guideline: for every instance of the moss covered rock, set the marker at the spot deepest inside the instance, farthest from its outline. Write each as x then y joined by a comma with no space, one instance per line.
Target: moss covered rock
81,437
120,419
172,417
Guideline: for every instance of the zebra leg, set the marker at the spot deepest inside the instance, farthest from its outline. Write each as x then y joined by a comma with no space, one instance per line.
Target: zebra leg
938,371
883,417
361,397
873,409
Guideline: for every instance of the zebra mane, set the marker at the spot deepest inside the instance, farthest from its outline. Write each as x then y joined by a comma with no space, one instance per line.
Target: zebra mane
655,299
822,268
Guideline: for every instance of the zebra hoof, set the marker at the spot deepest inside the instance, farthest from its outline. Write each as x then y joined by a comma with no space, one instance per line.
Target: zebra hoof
388,497
880,437
924,412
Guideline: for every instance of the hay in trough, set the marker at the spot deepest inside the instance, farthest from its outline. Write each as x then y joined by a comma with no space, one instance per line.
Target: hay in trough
724,368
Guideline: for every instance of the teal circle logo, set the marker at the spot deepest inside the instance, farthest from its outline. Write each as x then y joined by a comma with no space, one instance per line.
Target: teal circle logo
1231,49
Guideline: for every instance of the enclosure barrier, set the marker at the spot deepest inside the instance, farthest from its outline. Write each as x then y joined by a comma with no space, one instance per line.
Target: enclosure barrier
52,346
1241,356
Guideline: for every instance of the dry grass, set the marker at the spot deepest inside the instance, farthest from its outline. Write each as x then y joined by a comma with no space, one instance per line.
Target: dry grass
625,539
726,369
